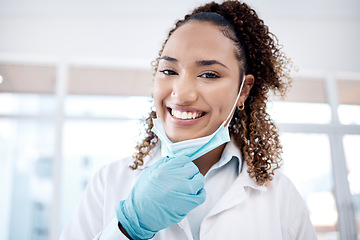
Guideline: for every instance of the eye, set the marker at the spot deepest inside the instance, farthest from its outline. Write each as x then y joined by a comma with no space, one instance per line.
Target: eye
209,75
168,72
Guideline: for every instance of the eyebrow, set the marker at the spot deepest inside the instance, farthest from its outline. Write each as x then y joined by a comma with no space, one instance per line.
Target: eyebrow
170,59
209,63
199,63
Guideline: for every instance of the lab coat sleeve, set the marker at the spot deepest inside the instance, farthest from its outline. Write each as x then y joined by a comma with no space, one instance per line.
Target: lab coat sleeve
87,222
112,232
302,228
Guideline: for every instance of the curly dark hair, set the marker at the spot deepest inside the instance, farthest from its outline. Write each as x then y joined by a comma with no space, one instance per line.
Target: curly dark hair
260,55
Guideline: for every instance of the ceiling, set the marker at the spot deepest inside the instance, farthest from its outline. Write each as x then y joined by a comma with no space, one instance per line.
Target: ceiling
318,35
146,8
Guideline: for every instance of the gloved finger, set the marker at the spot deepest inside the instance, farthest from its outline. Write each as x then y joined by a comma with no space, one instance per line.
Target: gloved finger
197,183
157,166
178,161
190,186
201,196
183,203
187,171
158,163
167,158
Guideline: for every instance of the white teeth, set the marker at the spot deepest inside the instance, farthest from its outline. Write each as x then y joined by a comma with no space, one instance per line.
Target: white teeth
185,115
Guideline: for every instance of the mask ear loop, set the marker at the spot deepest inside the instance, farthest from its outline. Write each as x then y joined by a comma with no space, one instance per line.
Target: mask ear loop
227,121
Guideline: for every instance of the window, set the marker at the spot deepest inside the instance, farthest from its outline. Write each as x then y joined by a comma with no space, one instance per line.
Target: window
307,161
98,130
318,112
351,145
54,120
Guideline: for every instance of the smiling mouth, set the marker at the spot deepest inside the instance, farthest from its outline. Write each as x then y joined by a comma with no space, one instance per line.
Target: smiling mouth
185,115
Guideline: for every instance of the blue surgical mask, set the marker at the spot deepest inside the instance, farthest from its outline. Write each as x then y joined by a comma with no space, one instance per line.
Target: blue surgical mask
195,148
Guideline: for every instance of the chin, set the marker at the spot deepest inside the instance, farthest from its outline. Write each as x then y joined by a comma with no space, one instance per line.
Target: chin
174,137
178,139
181,137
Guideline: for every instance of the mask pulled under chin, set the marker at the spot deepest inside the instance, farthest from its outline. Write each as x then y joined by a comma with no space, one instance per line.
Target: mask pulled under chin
193,148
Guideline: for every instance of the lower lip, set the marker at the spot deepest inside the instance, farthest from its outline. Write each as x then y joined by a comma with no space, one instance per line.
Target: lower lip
184,122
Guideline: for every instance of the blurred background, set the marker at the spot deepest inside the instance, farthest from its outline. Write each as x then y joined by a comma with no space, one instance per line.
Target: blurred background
75,80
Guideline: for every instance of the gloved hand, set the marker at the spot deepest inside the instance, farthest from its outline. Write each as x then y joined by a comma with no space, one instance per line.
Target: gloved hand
162,196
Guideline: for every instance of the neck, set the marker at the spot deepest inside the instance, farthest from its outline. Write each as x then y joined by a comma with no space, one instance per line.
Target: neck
205,162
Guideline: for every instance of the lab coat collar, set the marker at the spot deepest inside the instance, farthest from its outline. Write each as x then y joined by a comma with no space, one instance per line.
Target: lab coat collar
230,151
247,181
184,224
236,194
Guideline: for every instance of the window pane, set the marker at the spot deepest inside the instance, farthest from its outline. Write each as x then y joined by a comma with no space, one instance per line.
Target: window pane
88,145
27,151
109,81
27,78
307,162
349,114
348,88
107,106
296,112
351,147
28,104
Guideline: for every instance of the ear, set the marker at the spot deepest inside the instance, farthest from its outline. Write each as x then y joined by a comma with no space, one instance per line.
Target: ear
248,84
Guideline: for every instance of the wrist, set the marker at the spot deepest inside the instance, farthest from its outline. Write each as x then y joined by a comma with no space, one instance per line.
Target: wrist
129,222
123,231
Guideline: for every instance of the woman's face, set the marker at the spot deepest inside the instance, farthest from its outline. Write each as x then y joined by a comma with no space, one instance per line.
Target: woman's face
197,81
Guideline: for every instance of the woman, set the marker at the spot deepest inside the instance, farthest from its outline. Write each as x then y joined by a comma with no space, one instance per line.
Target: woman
206,169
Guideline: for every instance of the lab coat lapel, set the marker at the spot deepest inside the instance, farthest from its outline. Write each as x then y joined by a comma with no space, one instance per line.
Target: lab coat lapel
184,224
234,196
236,193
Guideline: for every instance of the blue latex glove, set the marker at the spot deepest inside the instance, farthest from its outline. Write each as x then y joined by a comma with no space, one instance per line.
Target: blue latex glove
162,196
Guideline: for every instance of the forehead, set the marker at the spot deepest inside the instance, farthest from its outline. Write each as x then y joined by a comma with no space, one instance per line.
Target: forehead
200,40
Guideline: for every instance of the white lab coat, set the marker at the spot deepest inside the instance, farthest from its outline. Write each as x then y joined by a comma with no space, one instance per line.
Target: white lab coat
246,210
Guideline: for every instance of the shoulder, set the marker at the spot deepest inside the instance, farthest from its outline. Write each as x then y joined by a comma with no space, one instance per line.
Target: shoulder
285,198
280,191
120,172
285,189
280,180
109,185
115,171
292,208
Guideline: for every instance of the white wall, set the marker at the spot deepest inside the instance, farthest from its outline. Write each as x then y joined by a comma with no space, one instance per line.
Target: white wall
321,35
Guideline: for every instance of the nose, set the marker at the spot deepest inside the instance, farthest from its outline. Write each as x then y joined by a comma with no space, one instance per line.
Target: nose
185,90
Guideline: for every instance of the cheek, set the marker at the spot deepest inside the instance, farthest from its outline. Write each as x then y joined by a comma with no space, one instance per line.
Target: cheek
160,92
223,101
